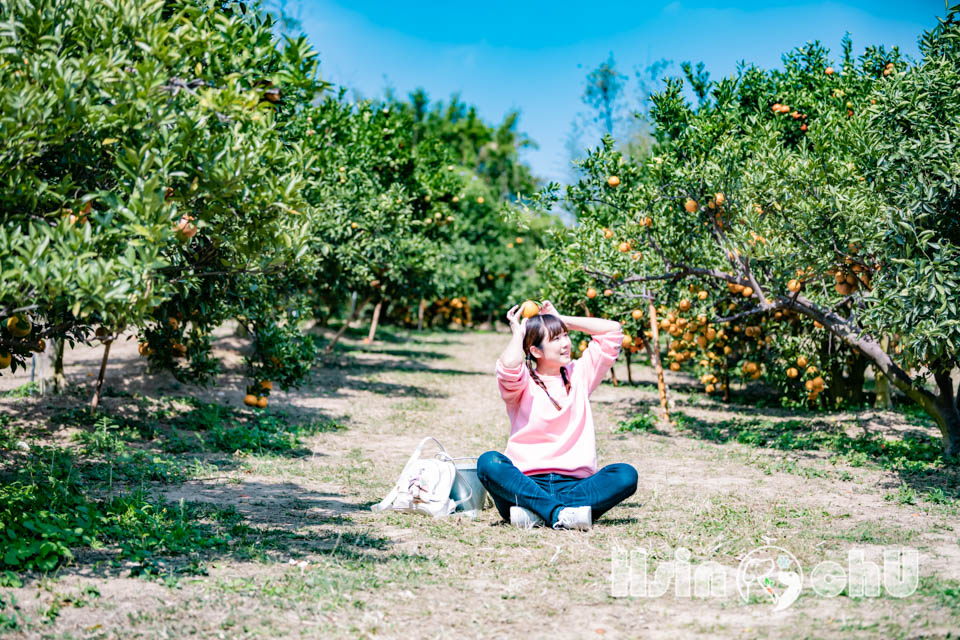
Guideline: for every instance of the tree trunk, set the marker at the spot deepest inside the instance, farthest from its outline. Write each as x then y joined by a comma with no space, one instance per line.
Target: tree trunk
59,379
883,399
376,319
353,314
629,372
944,410
95,401
657,363
420,309
613,377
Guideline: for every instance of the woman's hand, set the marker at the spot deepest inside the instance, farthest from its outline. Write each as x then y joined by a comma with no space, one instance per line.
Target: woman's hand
518,324
547,309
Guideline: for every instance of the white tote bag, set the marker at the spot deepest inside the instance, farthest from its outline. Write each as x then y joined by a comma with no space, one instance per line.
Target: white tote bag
424,485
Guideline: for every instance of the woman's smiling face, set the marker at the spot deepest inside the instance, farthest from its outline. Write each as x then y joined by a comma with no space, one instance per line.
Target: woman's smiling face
554,351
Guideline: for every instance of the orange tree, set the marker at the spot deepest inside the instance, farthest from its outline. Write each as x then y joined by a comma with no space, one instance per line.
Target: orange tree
783,192
145,173
411,200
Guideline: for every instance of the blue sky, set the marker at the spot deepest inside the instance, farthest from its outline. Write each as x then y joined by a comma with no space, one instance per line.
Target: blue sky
534,56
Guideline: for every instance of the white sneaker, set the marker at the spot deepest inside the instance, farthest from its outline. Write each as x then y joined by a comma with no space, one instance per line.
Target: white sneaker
574,518
524,518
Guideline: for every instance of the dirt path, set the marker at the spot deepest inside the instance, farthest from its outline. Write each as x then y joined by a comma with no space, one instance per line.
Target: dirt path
328,567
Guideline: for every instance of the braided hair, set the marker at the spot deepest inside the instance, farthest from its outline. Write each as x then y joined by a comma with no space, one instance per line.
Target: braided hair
533,337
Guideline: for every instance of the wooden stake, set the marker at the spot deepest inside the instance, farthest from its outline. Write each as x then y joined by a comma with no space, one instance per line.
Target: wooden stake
883,400
657,363
95,402
356,310
376,319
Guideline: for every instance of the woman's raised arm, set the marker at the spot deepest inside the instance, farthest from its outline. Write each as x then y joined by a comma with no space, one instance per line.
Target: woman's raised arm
513,354
589,325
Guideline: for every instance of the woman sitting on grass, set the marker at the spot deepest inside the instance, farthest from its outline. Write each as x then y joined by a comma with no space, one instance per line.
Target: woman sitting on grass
548,471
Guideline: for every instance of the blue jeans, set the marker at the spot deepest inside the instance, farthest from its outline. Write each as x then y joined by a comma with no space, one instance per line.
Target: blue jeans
546,493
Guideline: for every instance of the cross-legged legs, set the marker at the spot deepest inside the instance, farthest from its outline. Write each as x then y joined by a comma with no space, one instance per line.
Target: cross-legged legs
546,494
508,486
603,490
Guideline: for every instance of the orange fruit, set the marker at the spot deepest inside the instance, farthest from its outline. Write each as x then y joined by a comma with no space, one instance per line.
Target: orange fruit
608,292
607,233
637,314
776,107
173,323
266,384
262,402
636,255
702,295
794,285
40,347
803,127
828,71
747,292
792,372
144,349
5,359
19,327
691,205
591,293
683,305
250,400
802,361
648,221
719,198
624,247
627,340
519,240
811,370
709,388
529,309
479,199
613,181
674,366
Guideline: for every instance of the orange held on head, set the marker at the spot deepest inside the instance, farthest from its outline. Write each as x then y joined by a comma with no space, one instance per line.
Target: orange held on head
529,309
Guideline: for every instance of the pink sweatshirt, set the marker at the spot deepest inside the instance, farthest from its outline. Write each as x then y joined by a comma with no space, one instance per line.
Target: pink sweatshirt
544,439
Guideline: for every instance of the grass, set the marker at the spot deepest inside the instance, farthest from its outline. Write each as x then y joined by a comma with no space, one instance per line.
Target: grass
284,545
913,453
